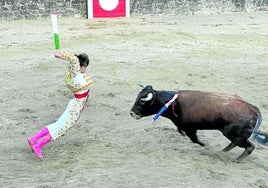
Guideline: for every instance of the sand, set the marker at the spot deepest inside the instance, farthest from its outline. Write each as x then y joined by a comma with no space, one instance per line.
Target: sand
225,53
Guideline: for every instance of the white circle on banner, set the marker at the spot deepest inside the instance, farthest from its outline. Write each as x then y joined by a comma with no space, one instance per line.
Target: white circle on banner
109,4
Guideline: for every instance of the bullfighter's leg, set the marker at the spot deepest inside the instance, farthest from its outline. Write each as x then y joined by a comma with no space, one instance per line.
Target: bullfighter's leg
249,147
192,135
229,147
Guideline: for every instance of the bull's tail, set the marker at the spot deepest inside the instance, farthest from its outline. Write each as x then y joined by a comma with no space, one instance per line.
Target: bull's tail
258,122
260,136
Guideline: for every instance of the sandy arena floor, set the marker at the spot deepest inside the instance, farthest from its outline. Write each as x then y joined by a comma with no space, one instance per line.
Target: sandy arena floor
108,148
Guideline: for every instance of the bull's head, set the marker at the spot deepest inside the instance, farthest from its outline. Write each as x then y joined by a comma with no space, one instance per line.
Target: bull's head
143,104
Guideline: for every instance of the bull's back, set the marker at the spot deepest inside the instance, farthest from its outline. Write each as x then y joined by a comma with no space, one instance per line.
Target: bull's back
208,106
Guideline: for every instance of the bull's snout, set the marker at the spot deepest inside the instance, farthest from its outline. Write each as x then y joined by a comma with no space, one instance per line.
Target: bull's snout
134,115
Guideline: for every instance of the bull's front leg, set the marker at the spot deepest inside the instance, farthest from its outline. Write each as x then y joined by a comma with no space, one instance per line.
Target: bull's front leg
181,132
192,135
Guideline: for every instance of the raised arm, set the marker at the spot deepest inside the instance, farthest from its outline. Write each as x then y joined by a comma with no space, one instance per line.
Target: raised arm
75,66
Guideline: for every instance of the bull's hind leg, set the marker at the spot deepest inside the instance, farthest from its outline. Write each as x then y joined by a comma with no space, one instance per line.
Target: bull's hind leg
249,147
238,134
229,147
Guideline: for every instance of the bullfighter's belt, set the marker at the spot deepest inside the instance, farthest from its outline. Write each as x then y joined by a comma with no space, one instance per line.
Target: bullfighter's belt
82,95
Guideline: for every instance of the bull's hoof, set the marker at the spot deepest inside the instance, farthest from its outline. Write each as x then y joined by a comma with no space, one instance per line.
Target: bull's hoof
237,160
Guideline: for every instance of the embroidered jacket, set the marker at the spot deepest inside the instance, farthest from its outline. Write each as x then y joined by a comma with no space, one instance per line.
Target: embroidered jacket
76,81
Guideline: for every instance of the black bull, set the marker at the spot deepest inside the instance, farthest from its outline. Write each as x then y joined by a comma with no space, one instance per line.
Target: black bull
196,110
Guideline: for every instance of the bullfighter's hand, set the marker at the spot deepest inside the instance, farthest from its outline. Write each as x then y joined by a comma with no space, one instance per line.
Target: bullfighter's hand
58,54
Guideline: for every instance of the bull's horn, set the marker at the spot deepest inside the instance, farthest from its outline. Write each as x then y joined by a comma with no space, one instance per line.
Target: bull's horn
149,97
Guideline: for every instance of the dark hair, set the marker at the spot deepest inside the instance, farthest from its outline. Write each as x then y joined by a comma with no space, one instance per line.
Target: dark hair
83,59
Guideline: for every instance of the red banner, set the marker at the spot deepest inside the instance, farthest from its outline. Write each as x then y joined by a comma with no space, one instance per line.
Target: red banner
108,8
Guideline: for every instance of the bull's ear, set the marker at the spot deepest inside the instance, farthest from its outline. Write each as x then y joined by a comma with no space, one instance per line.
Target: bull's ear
142,86
149,88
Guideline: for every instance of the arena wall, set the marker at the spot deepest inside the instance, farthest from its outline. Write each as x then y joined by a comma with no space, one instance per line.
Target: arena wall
32,9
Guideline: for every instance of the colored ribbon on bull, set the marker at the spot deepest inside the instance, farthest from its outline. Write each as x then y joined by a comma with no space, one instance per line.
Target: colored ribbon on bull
164,108
55,30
